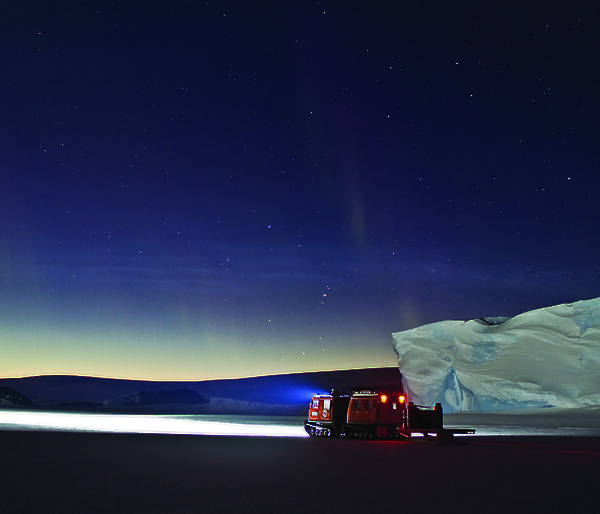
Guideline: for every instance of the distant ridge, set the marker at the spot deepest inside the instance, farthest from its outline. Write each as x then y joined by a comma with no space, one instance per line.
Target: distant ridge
270,394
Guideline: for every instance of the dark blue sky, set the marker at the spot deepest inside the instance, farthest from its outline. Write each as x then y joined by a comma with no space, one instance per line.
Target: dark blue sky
199,189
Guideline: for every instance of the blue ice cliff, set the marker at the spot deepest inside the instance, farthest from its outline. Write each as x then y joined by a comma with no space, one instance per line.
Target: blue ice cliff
548,357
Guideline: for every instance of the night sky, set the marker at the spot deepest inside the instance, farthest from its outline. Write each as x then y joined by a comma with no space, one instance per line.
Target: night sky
193,189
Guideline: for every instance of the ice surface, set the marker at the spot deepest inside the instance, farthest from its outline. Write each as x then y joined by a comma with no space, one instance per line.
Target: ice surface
544,358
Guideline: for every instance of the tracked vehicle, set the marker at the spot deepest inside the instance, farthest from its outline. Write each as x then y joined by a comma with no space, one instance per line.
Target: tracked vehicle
375,413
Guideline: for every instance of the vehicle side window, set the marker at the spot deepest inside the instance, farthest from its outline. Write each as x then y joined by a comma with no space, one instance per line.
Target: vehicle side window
326,404
368,405
356,404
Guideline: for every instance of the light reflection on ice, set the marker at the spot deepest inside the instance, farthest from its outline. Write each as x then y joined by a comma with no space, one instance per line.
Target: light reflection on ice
149,424
542,422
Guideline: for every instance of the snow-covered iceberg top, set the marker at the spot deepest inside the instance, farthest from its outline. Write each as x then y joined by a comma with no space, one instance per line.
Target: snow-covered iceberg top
543,358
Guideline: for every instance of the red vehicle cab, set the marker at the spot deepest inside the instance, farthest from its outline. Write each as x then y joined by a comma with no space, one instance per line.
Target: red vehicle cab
364,413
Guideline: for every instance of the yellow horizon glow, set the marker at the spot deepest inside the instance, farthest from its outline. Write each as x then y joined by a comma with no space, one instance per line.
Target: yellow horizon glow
28,353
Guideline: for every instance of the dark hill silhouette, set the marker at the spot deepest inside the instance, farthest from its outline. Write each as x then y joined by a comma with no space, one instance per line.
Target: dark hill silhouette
11,398
292,390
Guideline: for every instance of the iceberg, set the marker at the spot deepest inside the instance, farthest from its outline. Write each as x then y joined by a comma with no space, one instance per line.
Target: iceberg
548,357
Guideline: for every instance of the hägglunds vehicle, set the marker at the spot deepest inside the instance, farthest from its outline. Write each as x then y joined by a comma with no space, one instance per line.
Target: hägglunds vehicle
375,413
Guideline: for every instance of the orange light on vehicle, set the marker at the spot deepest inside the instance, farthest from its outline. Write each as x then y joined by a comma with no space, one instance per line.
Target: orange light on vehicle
401,398
383,398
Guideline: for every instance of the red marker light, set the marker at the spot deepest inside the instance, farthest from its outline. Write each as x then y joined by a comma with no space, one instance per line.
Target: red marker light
383,398
401,398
